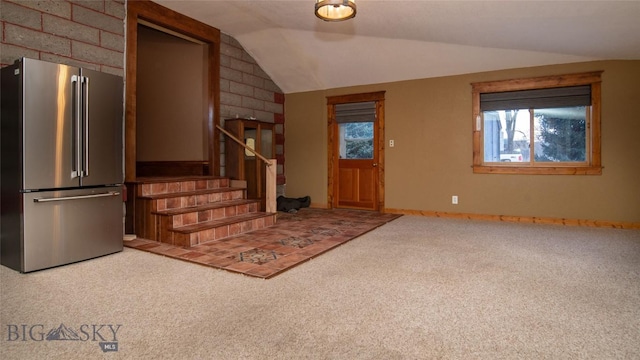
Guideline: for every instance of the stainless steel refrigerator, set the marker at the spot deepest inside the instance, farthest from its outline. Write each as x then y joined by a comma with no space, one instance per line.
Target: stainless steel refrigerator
61,161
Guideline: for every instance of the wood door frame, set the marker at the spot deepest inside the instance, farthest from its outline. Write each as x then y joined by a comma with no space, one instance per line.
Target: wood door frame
169,19
333,154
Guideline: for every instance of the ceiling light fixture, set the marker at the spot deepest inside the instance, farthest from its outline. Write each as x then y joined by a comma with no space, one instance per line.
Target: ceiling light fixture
335,10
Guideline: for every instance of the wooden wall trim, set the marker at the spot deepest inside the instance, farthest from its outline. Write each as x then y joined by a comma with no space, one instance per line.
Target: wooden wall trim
332,166
538,82
342,99
167,18
520,219
381,153
130,96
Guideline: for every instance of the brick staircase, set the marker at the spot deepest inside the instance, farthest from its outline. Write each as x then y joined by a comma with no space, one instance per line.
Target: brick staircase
188,211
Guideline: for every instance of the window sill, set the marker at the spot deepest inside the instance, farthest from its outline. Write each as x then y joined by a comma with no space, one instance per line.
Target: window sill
523,170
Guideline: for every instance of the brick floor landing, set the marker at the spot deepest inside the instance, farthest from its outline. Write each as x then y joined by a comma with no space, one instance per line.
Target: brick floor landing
264,253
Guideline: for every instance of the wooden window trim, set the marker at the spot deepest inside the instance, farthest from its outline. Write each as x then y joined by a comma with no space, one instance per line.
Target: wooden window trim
593,165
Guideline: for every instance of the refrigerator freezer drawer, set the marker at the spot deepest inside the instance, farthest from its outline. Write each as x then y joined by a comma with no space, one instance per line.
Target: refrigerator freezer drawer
62,227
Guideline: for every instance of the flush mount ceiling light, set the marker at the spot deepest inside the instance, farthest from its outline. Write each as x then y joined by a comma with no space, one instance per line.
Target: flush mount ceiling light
335,10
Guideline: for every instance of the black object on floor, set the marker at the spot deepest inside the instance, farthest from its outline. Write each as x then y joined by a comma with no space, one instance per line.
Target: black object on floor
292,204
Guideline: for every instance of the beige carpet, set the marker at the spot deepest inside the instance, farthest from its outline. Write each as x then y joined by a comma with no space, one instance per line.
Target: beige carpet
416,288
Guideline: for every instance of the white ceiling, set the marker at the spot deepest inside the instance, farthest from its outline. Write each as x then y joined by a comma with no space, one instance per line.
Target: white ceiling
397,40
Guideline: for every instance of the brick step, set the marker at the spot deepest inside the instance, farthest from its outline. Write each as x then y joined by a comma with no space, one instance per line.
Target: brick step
206,207
170,179
190,193
160,185
168,220
191,235
187,199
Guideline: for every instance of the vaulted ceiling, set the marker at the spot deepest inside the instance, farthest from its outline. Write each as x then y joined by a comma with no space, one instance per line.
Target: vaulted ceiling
397,40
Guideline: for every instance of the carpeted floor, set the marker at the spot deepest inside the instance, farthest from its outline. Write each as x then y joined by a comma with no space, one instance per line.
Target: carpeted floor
294,239
415,288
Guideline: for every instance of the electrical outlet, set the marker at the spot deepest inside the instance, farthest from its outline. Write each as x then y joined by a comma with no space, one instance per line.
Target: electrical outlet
454,199
392,143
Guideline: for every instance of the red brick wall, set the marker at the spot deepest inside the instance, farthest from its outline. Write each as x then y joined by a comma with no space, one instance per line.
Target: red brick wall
83,33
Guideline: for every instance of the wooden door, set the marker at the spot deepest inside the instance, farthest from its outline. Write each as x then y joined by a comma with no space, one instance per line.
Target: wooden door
356,149
357,166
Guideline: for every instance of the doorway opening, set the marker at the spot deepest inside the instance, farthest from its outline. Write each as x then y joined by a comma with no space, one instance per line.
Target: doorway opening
171,126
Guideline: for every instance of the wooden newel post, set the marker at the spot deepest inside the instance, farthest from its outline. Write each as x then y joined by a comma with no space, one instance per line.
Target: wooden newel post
271,206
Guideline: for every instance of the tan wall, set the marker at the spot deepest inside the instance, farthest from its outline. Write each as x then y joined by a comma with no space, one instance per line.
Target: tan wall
430,121
170,98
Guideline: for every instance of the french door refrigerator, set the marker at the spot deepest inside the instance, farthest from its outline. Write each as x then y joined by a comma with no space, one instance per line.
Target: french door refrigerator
61,162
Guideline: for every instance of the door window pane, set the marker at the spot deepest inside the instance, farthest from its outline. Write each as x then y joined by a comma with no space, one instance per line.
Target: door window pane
356,140
250,141
266,143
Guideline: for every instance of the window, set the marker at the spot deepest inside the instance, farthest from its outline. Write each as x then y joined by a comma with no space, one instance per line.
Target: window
547,125
355,126
356,140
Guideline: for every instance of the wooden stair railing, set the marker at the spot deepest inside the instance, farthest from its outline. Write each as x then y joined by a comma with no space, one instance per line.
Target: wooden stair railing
270,195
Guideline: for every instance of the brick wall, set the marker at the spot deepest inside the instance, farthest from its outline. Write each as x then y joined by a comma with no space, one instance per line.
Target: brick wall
81,33
246,91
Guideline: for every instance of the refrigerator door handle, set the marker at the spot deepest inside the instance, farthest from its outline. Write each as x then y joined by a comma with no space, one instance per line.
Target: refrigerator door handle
85,170
80,197
76,132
